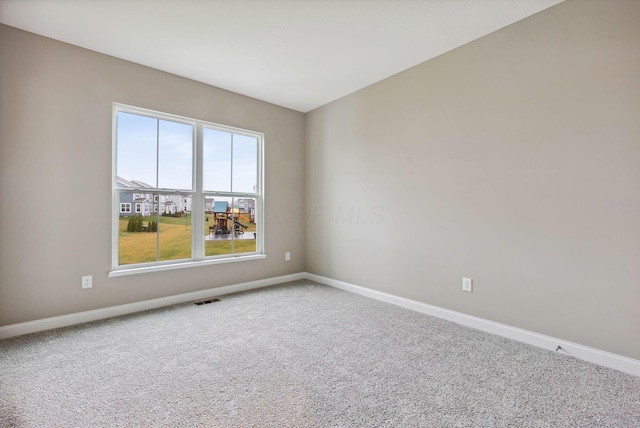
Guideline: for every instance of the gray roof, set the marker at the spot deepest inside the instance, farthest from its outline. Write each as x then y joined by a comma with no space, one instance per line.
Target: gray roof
139,183
124,183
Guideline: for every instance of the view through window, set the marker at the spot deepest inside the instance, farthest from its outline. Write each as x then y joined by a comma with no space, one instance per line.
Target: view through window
184,189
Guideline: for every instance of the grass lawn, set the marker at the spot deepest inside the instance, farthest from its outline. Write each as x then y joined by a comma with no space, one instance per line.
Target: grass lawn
173,240
223,246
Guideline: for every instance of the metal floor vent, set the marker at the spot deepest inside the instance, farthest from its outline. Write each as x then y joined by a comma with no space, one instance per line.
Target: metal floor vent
205,302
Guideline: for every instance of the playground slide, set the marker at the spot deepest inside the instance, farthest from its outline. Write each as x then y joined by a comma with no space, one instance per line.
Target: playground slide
240,225
248,219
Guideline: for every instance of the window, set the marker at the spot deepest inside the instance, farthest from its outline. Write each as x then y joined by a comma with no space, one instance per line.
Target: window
184,164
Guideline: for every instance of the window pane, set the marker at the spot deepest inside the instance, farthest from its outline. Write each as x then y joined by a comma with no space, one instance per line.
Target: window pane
176,156
136,149
245,164
174,227
137,241
230,226
151,231
216,173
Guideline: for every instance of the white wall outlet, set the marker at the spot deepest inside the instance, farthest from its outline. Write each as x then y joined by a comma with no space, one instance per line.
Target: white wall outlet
467,284
87,281
287,256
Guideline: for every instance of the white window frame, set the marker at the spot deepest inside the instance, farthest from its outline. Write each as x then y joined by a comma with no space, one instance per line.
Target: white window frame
125,207
198,257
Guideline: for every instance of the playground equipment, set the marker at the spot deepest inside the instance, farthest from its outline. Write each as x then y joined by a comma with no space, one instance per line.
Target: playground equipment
223,217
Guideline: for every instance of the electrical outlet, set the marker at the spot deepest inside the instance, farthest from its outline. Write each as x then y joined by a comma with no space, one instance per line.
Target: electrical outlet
87,281
287,256
467,284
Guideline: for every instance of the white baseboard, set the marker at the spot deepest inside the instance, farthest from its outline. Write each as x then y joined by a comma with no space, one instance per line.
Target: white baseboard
129,308
596,356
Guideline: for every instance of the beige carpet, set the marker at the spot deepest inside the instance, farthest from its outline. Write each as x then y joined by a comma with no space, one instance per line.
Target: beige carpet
299,355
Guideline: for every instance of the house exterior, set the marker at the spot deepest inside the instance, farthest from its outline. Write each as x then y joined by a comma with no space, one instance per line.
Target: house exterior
136,203
142,206
125,206
247,206
171,204
169,207
209,204
146,204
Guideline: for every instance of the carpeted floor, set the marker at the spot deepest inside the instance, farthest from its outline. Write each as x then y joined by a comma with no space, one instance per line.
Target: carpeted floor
299,355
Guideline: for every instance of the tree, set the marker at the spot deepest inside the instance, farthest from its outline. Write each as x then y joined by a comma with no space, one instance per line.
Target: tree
134,224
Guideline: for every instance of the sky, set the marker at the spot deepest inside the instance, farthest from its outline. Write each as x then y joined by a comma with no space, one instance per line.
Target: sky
160,153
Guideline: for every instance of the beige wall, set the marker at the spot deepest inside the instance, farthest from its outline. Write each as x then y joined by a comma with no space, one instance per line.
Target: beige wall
55,177
514,160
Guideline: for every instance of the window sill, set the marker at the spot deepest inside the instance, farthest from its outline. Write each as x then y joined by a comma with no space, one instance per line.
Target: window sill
124,271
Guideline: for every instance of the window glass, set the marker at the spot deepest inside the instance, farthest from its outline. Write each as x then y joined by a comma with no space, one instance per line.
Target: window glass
230,227
216,173
245,164
136,150
175,161
174,228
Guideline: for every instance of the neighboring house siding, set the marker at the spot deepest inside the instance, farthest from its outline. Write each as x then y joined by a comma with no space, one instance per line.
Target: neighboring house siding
126,200
182,203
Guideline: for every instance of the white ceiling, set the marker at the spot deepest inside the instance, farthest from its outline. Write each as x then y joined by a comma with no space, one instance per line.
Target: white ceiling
299,54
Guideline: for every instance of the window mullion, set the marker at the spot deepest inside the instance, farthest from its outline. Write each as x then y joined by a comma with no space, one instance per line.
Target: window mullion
231,168
157,182
197,212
